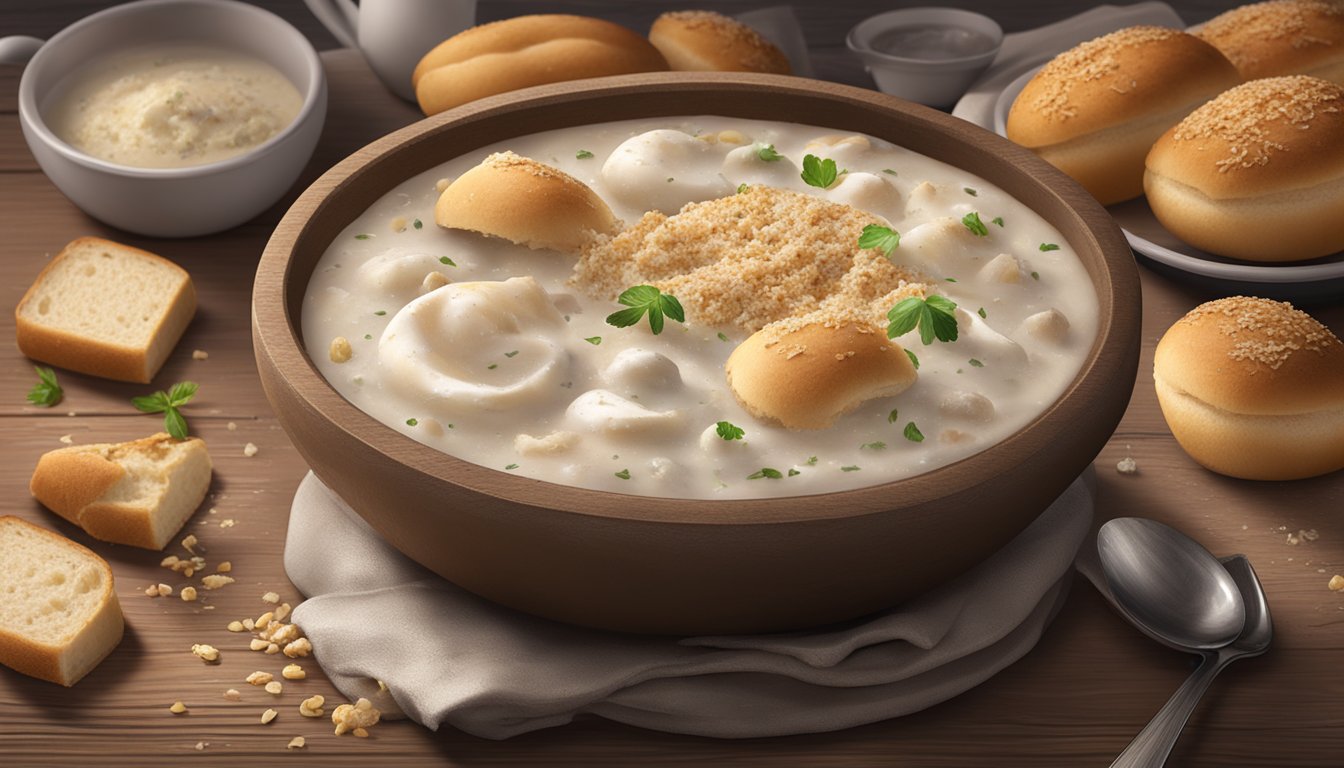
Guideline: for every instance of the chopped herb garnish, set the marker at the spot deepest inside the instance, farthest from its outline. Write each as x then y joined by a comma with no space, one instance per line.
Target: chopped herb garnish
583,154
974,224
794,472
417,224
646,298
368,336
511,354
913,434
850,468
981,312
723,336
669,179
1035,275
624,474
950,279
412,422
1049,247
773,474
932,315
893,416
818,172
510,466
914,359
876,445
448,261
970,191
741,188
594,340
882,238
46,392
728,431
380,312
767,153
998,220
363,236
492,366
976,363
811,461
168,404
888,170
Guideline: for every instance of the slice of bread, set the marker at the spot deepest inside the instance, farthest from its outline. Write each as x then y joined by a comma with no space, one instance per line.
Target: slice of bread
106,309
59,616
138,493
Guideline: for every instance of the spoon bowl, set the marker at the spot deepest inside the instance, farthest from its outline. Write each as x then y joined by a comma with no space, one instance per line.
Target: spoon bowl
1169,586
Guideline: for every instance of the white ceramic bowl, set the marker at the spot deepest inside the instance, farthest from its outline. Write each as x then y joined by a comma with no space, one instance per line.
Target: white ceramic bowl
176,202
934,73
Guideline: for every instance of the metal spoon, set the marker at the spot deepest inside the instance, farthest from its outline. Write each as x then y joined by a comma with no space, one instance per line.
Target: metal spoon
1177,593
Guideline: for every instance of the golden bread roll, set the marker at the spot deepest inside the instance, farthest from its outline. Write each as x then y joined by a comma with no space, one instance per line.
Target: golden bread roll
1257,173
804,372
525,202
1253,388
1095,110
1282,37
526,51
704,41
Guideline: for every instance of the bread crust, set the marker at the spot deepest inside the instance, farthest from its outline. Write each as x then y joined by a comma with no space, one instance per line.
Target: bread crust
704,41
1281,37
72,481
108,360
91,643
1253,388
1257,173
526,51
525,202
806,376
1095,109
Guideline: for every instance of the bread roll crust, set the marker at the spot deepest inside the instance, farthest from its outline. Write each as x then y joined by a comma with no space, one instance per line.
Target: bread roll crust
526,51
804,373
1257,173
90,643
704,41
525,202
1281,37
1094,110
1253,388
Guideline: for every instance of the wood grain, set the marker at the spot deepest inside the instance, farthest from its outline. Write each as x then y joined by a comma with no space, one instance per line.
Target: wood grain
1075,700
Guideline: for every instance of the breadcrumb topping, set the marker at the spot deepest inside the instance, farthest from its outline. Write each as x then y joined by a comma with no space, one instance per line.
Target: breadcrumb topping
1264,331
1293,20
1093,60
751,259
1241,117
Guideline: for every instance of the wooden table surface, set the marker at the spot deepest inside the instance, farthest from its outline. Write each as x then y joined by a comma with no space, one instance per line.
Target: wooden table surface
1075,700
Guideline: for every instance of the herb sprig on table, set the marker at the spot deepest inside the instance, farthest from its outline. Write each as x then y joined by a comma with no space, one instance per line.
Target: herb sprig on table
46,392
168,404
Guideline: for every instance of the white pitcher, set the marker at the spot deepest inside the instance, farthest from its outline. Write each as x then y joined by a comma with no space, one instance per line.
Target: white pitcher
393,35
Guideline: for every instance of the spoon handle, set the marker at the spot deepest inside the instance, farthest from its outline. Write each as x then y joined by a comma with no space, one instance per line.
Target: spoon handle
1150,748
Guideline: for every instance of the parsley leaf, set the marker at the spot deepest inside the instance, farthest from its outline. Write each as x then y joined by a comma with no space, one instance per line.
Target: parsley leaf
363,236
583,154
767,153
892,417
773,474
624,474
914,360
913,434
974,224
876,445
594,340
794,472
741,187
418,224
877,236
728,431
932,315
970,191
981,312
976,363
646,298
1049,247
723,336
448,261
818,172
411,422
168,404
850,468
46,392
998,220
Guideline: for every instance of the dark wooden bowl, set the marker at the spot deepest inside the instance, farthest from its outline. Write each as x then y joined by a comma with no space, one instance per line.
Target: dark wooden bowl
674,565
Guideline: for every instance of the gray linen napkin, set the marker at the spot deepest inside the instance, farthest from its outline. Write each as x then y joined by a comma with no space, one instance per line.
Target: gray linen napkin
448,656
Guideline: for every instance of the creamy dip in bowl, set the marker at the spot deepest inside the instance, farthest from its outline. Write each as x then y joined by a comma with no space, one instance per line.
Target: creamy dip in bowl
735,559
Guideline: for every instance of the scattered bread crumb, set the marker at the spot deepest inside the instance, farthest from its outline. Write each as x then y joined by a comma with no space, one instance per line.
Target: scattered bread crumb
1336,583
67,439
296,743
178,708
268,716
282,612
227,522
271,597
152,590
250,450
190,543
224,567
188,594
272,648
358,716
200,354
293,672
340,350
1127,466
232,427
206,653
299,648
259,678
398,223
312,706
257,644
1302,537
233,695
275,687
215,581
201,745
165,590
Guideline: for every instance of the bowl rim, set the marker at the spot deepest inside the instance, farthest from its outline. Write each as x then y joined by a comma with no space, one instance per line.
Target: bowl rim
315,95
277,331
